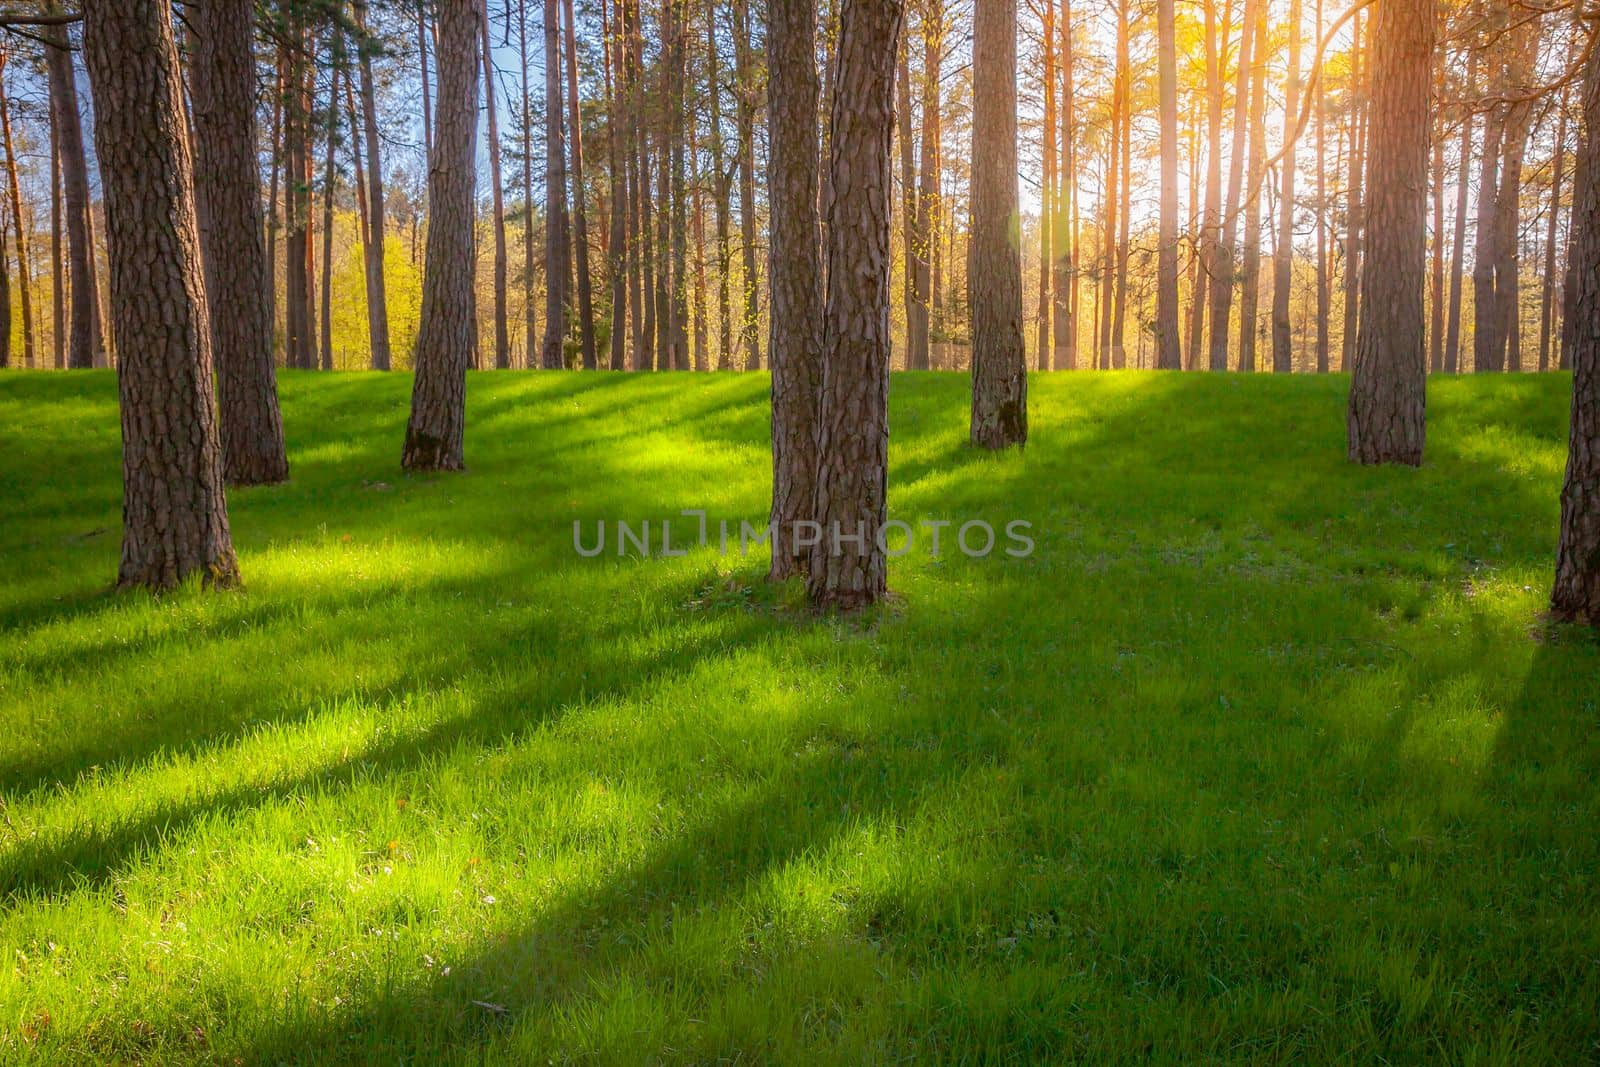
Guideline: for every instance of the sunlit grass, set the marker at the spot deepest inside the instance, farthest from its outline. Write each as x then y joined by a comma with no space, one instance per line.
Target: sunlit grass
1258,756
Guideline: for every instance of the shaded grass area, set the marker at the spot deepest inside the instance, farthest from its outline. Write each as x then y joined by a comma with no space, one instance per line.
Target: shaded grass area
1259,756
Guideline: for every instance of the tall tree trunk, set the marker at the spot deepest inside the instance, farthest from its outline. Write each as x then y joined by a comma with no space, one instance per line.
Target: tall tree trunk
1576,596
1488,343
697,193
1109,201
497,199
1436,242
1250,273
175,516
449,327
1387,389
377,289
1547,297
616,252
1222,275
722,186
86,339
1452,344
905,139
330,177
530,315
297,207
1064,286
930,166
5,301
677,116
1206,254
58,295
745,76
1360,119
1169,354
557,244
580,211
1324,297
227,182
994,264
1047,194
1283,250
1119,333
24,256
274,216
795,276
422,55
850,569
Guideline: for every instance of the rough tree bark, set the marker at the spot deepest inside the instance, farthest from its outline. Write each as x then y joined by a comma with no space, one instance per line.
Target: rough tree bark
849,571
227,186
1389,379
794,274
174,514
994,262
449,326
1576,596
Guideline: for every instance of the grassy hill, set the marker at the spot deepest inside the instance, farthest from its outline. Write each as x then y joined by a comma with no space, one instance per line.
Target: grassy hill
1258,756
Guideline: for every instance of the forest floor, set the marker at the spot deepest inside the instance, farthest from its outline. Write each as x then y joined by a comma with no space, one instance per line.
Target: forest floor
1258,756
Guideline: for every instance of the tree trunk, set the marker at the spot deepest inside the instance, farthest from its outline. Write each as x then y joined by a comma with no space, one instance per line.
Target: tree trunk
530,316
422,55
1387,389
449,324
330,177
86,340
994,264
377,289
1324,297
557,244
228,185
722,187
1064,243
930,170
616,253
1436,242
795,276
916,313
849,571
745,76
274,219
1576,597
1359,119
1169,355
1250,272
1452,343
58,296
24,256
497,199
1283,250
1547,297
1222,275
297,201
1047,196
580,211
677,116
175,516
1124,89
1488,343
1206,254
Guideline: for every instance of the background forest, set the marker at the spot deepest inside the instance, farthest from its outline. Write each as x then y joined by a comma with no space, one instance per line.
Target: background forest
641,128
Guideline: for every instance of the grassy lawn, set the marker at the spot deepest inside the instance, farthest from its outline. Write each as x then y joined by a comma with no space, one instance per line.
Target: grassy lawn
1259,756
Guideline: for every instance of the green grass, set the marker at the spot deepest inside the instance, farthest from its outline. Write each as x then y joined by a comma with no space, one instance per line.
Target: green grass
1260,756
